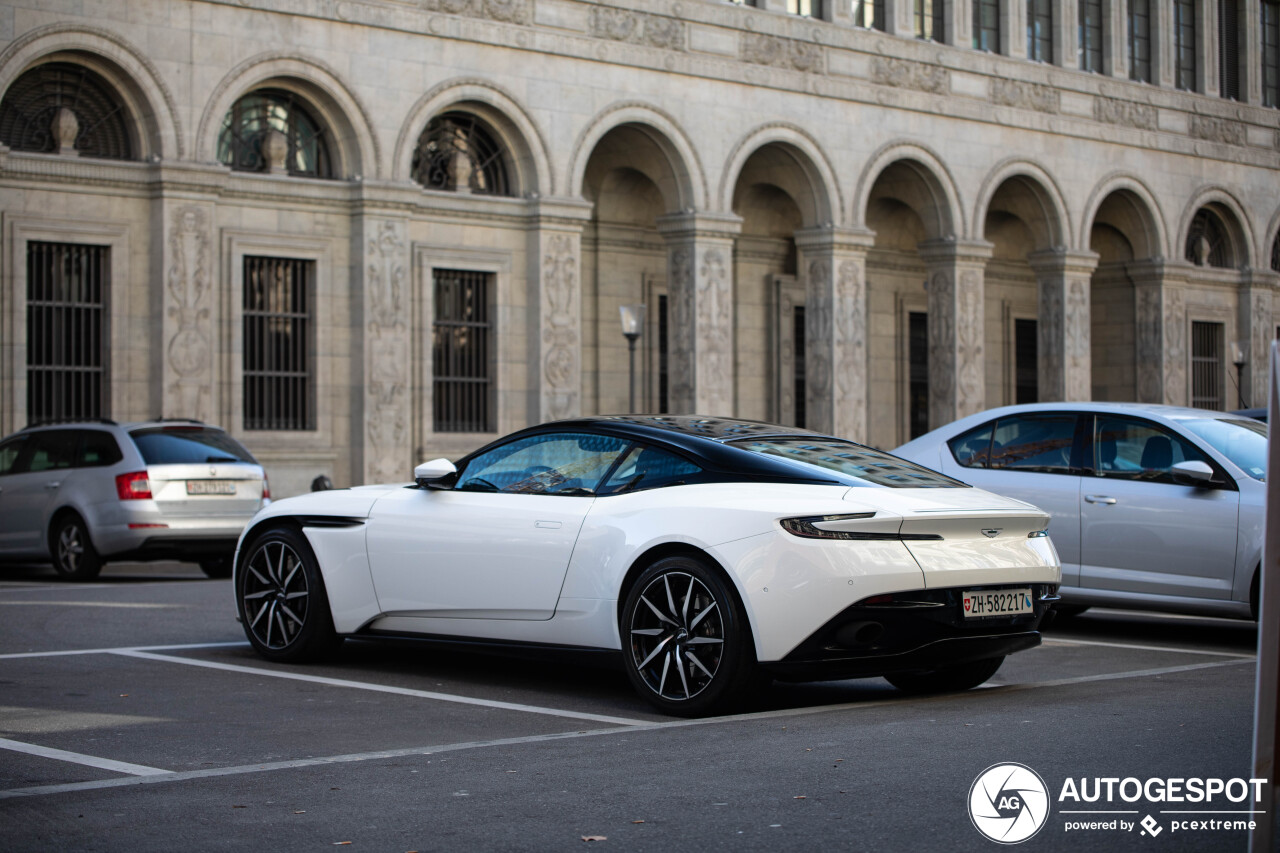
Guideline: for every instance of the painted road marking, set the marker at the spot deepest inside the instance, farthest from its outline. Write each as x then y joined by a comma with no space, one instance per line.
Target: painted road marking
134,604
73,652
80,758
1063,642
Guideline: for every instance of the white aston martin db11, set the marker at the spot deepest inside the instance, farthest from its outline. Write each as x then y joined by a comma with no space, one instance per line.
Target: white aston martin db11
706,553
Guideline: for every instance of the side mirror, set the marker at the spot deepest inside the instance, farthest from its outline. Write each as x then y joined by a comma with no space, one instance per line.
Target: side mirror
1193,473
432,475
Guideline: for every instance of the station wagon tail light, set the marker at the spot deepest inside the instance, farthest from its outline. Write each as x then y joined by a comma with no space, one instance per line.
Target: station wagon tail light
266,487
133,487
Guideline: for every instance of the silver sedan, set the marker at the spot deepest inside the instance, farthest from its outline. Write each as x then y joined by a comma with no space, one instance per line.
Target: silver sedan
1153,507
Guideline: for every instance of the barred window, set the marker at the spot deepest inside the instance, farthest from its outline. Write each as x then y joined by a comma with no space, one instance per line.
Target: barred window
1207,243
917,373
34,103
66,330
462,337
986,25
252,120
1206,365
808,8
869,14
1089,17
1229,49
929,19
1140,40
1271,53
1184,44
1040,30
460,153
1026,364
278,378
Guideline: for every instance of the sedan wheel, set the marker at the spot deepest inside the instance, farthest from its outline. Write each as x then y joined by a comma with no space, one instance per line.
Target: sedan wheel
686,645
74,556
949,679
282,601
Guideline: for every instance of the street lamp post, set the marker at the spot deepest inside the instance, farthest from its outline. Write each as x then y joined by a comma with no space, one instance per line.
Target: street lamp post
1239,362
632,328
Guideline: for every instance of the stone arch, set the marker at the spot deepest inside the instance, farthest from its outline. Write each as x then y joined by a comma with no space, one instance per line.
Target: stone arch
1271,248
819,199
1038,198
513,124
1121,199
355,149
1229,210
932,196
681,178
151,105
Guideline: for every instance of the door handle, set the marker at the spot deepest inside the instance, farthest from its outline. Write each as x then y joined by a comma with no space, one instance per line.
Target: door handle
547,525
53,485
1100,499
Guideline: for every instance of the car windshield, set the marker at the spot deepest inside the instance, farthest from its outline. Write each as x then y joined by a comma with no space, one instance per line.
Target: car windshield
185,445
867,467
1242,440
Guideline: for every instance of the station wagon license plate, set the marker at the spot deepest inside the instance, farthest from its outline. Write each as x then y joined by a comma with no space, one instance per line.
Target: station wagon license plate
997,602
212,487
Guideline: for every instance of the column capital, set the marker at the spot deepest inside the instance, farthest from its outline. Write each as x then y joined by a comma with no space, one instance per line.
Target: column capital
833,239
949,252
697,224
1064,261
563,212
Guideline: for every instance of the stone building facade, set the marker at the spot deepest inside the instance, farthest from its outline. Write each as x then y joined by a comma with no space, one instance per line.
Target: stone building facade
363,233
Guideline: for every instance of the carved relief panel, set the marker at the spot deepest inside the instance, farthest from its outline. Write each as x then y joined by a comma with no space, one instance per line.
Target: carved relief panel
560,323
189,318
386,398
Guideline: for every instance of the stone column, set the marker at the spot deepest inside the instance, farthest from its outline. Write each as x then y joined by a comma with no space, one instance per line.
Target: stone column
1256,329
1063,357
555,309
832,265
1161,317
957,381
381,271
700,288
189,370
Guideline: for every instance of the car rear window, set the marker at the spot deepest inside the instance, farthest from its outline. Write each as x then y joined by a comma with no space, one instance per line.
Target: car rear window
864,465
179,445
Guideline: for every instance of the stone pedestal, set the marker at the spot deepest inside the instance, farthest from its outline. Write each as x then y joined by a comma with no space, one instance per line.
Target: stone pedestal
957,384
1064,351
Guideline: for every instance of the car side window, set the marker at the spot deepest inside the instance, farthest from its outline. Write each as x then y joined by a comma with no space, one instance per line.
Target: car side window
648,468
1034,442
1130,449
548,464
12,453
53,449
973,448
97,448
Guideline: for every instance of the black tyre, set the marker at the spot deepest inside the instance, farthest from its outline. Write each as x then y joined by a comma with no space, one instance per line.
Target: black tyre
686,644
281,597
216,567
74,556
948,679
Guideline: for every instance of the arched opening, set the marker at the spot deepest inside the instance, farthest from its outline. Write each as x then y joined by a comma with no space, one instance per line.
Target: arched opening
65,107
459,151
1209,241
1120,234
275,130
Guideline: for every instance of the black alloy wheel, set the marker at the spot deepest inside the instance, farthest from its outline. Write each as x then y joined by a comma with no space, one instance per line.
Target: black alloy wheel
74,556
686,644
282,601
949,679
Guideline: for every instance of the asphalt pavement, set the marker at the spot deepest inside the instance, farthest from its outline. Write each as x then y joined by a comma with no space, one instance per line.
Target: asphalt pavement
133,716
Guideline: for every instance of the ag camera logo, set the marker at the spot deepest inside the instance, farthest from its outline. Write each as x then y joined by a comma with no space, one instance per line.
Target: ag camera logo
1008,803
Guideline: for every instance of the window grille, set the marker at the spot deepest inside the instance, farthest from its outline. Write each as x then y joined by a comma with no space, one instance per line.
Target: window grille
1089,14
1228,49
278,380
1140,40
1206,365
29,106
1207,243
461,352
664,375
929,20
1026,371
869,14
918,373
1040,30
986,25
808,8
458,148
1184,44
1271,54
798,372
66,330
254,116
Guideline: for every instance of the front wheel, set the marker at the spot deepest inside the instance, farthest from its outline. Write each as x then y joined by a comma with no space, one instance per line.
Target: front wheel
74,556
686,644
281,597
947,679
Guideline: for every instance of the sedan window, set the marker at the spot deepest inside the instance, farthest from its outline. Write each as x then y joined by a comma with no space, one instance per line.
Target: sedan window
1131,449
550,464
1034,443
1241,440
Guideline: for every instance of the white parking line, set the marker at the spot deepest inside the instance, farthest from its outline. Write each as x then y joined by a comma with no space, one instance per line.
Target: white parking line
73,652
90,604
79,758
179,776
1056,641
383,688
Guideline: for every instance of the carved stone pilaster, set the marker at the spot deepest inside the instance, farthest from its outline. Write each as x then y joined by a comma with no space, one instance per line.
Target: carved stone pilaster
559,339
1064,356
1160,314
700,287
190,303
956,328
833,268
1256,322
387,455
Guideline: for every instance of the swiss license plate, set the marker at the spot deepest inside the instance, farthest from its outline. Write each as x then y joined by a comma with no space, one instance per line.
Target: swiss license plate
211,487
997,602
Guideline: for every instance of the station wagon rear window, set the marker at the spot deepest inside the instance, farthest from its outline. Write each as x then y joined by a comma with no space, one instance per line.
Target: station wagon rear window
188,445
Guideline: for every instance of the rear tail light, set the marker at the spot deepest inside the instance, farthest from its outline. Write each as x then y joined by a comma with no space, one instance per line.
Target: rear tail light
266,487
133,487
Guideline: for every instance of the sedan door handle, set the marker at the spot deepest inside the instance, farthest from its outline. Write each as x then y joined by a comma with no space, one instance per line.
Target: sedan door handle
547,525
1100,499
55,484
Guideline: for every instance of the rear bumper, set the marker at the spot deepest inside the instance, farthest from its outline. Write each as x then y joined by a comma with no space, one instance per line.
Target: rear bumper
918,631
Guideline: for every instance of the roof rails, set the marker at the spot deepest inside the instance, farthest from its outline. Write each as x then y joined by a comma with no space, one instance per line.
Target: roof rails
55,421
177,420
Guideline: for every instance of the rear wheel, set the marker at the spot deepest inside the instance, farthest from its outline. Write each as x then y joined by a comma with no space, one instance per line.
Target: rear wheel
947,679
686,644
282,601
74,556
